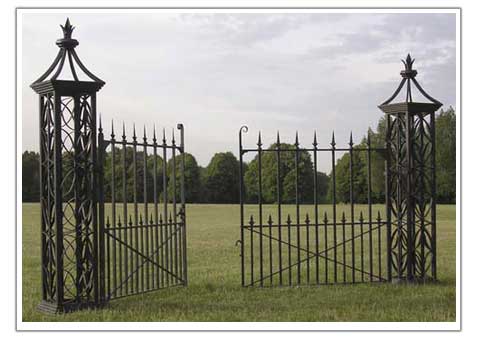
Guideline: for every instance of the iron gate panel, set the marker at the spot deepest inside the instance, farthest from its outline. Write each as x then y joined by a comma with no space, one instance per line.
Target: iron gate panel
296,244
142,214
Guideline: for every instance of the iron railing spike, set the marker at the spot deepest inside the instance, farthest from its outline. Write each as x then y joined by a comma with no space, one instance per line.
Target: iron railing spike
173,136
100,129
351,139
113,132
164,139
333,139
134,132
123,131
278,138
315,138
259,142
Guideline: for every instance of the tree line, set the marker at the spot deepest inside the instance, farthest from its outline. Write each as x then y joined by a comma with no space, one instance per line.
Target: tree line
218,182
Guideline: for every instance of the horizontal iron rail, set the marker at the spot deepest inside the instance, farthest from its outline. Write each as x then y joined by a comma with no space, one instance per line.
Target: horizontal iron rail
312,225
140,144
300,149
139,226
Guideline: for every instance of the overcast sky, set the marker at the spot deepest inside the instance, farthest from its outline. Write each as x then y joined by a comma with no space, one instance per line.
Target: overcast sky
216,72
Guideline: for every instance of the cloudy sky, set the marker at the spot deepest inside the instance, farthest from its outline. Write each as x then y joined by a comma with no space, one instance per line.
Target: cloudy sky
216,72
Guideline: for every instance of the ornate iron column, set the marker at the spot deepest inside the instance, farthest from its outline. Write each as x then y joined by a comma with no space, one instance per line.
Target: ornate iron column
68,200
411,198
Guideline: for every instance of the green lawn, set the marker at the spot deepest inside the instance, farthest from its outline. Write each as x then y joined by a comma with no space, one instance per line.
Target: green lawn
214,292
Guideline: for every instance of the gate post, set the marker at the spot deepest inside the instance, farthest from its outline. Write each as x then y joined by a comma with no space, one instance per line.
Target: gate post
68,183
411,194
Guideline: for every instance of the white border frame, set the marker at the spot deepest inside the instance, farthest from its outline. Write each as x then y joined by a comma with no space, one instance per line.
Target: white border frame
250,326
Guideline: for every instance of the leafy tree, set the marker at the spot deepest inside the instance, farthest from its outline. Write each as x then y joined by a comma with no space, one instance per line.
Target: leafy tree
221,178
287,176
445,140
30,177
191,177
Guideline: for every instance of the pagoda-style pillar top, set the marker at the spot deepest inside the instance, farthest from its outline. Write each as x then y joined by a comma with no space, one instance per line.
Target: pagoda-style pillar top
410,106
52,79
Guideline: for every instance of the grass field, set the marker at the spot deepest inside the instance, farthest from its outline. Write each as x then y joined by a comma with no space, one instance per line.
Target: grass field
214,292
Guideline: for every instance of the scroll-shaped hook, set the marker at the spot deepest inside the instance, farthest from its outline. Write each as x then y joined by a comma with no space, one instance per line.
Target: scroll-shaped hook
243,129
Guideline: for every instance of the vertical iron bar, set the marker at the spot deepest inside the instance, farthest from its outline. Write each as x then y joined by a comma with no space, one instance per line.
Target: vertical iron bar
289,237
270,222
297,206
101,211
369,202
434,196
379,242
43,173
58,176
78,165
352,208
155,201
124,195
344,261
145,209
362,267
241,189
325,227
174,176
182,198
135,209
315,203
410,199
114,216
388,203
307,227
260,208
251,250
165,207
334,204
279,210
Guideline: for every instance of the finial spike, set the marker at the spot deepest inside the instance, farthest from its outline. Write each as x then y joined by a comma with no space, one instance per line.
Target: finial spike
333,139
361,216
278,138
351,139
123,133
259,143
325,219
296,138
154,133
164,139
368,138
113,133
134,132
144,133
315,138
173,136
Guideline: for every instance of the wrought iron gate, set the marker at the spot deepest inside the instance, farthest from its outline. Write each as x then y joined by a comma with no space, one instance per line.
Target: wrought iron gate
303,242
141,214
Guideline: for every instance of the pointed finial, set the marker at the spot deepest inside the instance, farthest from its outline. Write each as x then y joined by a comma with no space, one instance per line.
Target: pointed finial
154,134
270,221
141,220
379,218
307,219
134,132
164,139
325,219
361,216
351,140
259,143
123,131
409,72
288,219
251,220
108,221
343,216
368,138
173,136
130,220
145,137
278,138
296,138
315,139
67,29
333,139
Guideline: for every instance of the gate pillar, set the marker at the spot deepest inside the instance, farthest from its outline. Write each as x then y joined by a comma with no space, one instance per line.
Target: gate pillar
67,108
411,198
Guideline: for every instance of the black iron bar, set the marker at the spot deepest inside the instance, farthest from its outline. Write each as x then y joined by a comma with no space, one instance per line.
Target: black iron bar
279,207
145,205
270,222
352,205
114,224
315,203
130,224
135,203
241,194
174,203
251,250
325,232
297,207
159,274
362,246
303,149
120,255
124,198
101,211
379,238
289,239
307,223
344,248
421,160
152,246
388,204
183,209
260,203
334,204
433,187
165,203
